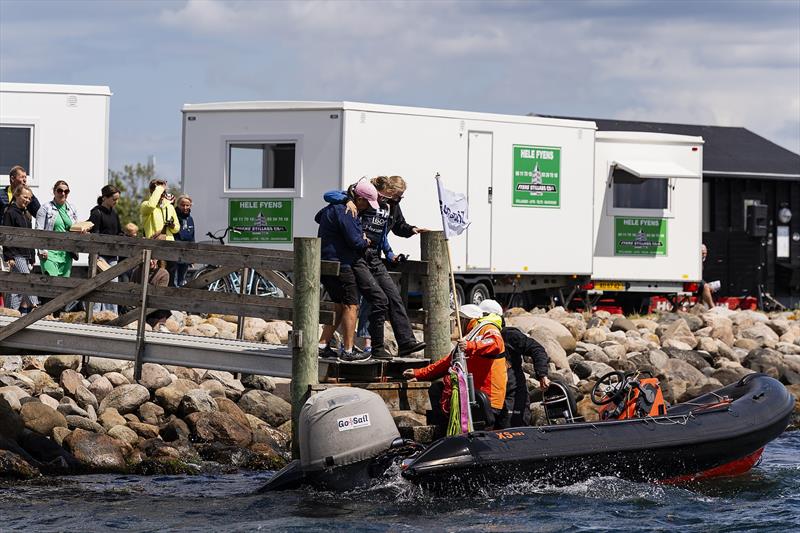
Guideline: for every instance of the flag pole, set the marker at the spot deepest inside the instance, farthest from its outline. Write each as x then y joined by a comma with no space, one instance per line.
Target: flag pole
459,355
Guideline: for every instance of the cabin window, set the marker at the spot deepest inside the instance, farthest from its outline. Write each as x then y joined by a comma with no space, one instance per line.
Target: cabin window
632,192
258,166
15,148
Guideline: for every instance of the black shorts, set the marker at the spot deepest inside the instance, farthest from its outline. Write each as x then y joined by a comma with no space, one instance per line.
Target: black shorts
342,288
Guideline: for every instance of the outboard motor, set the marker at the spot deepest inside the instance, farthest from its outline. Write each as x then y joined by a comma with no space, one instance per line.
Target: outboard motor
341,430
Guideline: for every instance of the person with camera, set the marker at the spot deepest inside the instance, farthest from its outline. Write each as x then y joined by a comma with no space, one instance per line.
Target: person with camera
159,219
377,223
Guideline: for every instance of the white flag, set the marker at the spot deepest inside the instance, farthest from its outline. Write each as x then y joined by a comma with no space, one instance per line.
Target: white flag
454,209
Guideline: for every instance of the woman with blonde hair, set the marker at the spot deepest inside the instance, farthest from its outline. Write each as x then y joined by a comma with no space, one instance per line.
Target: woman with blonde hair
19,259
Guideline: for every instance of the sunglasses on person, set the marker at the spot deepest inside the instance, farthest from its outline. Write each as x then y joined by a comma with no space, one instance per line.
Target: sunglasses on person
62,191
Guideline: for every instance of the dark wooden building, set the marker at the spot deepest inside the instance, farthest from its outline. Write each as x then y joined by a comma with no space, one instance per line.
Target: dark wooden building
751,208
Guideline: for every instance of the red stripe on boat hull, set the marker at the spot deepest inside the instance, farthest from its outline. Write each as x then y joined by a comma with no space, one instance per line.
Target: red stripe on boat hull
734,468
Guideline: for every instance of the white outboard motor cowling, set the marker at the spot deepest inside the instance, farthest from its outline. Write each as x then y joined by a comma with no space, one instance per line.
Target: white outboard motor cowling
342,426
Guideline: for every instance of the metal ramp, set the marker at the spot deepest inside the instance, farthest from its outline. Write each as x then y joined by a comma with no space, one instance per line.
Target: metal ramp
53,337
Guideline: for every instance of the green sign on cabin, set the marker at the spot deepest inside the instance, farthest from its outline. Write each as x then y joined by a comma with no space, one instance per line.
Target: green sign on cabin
537,176
640,236
260,220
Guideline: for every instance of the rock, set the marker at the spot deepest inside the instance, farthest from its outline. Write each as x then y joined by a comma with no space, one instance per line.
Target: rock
214,388
11,424
197,401
677,330
588,410
187,373
56,364
233,387
730,373
545,328
10,363
229,407
219,427
263,433
13,394
721,327
595,353
41,418
707,344
175,429
693,321
130,417
636,345
762,334
151,413
615,351
124,434
554,350
102,365
71,380
276,332
49,401
125,398
676,344
100,387
85,398
594,336
747,344
154,376
690,356
576,327
676,369
15,467
767,361
116,379
283,388
170,398
268,407
658,358
645,323
146,431
265,383
622,324
67,407
92,413
79,422
581,368
98,452
110,418
59,434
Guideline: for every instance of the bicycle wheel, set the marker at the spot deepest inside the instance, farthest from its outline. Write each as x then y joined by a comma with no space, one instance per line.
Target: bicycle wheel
221,285
262,287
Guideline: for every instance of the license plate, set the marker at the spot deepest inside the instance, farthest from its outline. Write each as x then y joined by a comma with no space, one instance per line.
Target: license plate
609,286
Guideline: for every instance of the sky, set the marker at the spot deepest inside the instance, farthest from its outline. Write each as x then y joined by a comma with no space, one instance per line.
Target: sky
713,62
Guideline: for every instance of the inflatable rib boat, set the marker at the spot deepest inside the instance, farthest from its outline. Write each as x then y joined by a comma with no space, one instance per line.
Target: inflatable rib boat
718,434
348,439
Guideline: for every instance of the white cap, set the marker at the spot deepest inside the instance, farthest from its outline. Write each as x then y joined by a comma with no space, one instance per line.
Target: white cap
491,306
470,311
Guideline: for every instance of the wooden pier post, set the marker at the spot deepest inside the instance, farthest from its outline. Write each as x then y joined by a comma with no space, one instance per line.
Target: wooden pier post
305,327
436,295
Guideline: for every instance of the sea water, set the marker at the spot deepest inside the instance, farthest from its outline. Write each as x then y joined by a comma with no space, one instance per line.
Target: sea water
765,499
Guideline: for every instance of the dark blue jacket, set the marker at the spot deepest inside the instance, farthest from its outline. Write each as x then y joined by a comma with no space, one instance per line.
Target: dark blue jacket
378,235
186,233
341,234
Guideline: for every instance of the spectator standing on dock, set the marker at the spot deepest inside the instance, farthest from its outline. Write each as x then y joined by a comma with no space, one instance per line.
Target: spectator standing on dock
183,208
16,177
343,240
377,223
19,260
57,215
106,221
159,220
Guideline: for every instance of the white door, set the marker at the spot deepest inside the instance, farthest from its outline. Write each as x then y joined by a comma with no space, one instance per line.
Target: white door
479,194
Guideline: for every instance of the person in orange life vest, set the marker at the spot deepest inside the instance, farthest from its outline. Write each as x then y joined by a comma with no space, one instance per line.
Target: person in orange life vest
484,349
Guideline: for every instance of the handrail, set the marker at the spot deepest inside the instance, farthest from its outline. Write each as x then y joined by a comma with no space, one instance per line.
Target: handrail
185,252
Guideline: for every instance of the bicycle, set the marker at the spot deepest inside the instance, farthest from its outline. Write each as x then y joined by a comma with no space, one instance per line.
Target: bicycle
255,283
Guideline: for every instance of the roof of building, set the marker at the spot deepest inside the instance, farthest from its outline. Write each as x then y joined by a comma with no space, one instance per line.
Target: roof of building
728,151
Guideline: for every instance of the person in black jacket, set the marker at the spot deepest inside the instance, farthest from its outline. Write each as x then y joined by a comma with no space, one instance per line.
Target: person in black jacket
518,347
106,222
16,177
20,259
183,208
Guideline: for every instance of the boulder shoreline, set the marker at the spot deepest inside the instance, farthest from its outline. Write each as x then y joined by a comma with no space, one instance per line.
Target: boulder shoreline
60,415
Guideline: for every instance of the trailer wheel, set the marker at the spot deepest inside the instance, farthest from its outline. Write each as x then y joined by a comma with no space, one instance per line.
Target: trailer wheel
478,293
459,294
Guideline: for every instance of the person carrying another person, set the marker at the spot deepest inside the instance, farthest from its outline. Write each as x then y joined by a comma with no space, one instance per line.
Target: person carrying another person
19,260
343,240
57,215
377,222
159,220
183,208
518,347
484,349
16,177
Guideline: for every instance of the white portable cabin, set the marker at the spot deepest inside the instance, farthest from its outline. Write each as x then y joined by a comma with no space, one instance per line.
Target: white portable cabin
266,165
56,132
648,211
